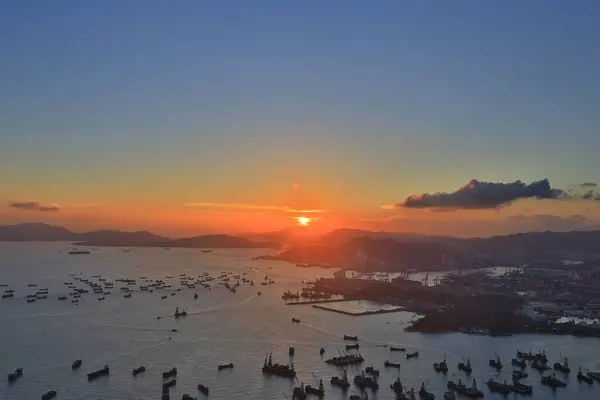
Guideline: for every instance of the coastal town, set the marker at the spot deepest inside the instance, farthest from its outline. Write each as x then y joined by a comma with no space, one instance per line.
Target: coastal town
555,298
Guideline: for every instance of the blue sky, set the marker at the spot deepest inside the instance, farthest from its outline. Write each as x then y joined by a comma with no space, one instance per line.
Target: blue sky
171,102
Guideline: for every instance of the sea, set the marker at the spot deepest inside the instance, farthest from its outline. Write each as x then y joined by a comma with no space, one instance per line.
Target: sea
45,337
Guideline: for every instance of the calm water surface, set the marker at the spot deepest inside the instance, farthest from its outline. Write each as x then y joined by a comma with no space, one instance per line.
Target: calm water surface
45,337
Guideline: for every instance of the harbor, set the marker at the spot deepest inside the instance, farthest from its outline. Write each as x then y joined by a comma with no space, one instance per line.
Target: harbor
139,338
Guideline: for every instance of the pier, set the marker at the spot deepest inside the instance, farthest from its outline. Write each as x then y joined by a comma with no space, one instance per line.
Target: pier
307,302
359,313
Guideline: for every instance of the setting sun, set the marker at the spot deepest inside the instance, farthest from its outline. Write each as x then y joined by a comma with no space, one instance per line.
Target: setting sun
304,221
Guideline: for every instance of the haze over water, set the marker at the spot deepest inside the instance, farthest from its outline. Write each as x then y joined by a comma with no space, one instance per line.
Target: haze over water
45,337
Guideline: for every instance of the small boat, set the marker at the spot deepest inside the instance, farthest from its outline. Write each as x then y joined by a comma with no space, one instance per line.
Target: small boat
187,396
584,378
518,375
319,392
96,374
32,285
352,346
8,295
496,363
442,366
594,375
31,300
341,382
449,396
225,366
397,349
497,387
78,252
299,393
322,351
521,389
76,364
49,395
169,384
390,364
13,376
412,355
195,296
363,381
296,320
424,394
518,363
62,297
465,367
163,297
100,298
348,337
564,367
127,296
552,381
372,371
170,373
138,370
291,351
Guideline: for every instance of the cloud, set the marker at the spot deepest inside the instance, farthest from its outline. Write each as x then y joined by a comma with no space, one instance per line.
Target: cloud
34,206
254,207
487,195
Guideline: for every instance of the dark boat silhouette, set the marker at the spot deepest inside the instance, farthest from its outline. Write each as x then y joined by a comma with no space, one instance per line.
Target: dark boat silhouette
341,382
496,363
76,364
390,364
284,371
138,370
552,381
347,359
497,387
465,367
13,376
225,366
203,389
584,378
348,337
397,349
170,373
49,395
564,367
412,355
97,374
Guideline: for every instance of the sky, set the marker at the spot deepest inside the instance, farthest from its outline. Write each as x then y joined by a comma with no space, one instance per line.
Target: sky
207,116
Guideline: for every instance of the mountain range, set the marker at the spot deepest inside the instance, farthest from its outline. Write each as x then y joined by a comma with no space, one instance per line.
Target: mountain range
108,237
351,248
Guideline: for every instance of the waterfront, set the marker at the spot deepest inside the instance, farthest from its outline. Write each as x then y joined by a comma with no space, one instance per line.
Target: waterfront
45,337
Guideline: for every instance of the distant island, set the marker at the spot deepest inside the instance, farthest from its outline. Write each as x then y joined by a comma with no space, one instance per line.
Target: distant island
29,232
350,248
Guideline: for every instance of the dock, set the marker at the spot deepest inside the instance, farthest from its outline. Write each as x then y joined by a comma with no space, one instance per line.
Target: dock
359,313
307,302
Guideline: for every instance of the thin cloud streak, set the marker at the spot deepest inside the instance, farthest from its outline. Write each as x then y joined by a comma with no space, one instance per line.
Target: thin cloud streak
34,206
256,207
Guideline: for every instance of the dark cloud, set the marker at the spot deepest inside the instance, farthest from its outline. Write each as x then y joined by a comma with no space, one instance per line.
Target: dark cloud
34,206
481,195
